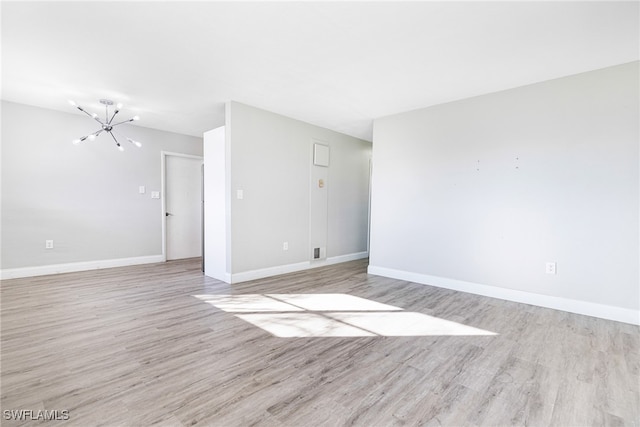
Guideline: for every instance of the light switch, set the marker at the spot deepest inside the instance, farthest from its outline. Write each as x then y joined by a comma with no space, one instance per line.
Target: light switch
551,268
141,189
240,194
155,194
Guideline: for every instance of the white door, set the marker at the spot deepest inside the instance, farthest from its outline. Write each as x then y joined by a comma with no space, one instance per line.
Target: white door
183,192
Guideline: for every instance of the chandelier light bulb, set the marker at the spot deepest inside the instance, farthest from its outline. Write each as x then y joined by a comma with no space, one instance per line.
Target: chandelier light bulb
75,142
136,118
94,115
73,103
91,137
120,147
136,143
119,106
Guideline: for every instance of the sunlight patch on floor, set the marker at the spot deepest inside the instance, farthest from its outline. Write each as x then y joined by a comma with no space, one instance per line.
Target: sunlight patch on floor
249,303
290,325
333,302
333,315
406,324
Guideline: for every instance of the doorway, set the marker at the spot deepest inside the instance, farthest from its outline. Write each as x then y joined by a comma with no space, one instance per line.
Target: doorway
182,206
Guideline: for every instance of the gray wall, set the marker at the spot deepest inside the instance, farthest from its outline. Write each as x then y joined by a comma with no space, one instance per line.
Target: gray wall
84,197
271,158
487,190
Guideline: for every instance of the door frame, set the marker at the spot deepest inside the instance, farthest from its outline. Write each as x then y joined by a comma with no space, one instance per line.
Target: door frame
163,194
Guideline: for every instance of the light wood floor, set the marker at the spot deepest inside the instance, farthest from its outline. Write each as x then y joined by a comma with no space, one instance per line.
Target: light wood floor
133,347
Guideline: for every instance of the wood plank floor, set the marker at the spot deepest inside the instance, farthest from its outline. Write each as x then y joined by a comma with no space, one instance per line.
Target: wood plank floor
133,347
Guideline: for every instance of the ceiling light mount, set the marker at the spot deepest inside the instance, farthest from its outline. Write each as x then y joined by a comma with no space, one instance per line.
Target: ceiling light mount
107,125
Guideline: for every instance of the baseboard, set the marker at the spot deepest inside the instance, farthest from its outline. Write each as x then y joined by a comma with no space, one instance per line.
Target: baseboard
246,276
602,311
343,258
223,277
43,270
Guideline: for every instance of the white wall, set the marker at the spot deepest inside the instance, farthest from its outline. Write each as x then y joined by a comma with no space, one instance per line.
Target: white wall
271,160
479,194
215,205
84,197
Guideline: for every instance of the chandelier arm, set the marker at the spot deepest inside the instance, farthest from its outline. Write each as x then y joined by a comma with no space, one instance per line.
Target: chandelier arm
112,117
90,137
113,132
133,142
124,121
94,117
114,138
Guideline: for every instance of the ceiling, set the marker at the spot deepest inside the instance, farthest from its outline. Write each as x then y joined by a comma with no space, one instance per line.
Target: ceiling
334,64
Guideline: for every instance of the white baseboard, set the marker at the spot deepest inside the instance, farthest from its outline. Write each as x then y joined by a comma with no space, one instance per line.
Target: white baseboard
343,258
619,314
43,270
245,276
223,277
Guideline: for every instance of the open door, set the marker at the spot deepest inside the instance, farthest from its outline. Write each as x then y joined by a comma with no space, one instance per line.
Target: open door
183,206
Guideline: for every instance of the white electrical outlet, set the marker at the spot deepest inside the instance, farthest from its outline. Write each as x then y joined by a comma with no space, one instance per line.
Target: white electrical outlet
551,268
285,246
240,194
141,189
48,244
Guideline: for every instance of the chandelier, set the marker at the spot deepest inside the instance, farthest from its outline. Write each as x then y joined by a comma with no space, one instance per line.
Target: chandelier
107,125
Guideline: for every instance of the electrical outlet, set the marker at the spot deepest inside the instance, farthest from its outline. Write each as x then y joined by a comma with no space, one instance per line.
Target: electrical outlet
285,246
551,268
48,244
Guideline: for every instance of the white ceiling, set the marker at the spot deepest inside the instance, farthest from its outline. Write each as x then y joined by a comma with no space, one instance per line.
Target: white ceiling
336,65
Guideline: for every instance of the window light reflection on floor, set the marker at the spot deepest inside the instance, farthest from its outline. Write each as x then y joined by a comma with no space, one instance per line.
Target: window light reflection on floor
333,315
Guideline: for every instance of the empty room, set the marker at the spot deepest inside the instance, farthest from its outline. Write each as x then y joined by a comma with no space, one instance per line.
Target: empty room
303,213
